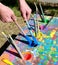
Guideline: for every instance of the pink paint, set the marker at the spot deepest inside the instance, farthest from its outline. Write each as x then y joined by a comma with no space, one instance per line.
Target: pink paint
12,57
41,27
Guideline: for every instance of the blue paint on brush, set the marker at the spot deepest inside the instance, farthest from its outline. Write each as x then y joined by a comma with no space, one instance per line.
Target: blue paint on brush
35,41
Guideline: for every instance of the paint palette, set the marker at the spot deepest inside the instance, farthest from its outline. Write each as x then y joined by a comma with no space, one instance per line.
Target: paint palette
45,53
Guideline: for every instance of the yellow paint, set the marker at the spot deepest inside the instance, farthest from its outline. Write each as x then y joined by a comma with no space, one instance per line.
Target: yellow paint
40,36
53,49
43,35
41,39
7,62
52,33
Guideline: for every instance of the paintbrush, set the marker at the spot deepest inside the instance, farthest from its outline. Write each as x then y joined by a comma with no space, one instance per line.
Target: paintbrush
5,36
12,41
27,37
48,22
35,21
34,38
42,12
16,47
19,27
29,28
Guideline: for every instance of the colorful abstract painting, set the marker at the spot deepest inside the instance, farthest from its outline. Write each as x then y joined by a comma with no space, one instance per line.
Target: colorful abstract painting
45,53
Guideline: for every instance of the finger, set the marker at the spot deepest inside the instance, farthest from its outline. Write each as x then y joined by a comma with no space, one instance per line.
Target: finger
13,17
8,19
2,20
24,16
28,14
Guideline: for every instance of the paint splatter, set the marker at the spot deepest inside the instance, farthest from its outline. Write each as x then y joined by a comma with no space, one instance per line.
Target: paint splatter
44,52
27,55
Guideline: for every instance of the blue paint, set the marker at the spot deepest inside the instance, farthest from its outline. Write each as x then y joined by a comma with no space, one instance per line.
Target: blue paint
48,41
29,40
35,41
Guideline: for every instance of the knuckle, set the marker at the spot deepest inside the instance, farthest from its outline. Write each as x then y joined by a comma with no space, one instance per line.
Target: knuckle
30,10
8,20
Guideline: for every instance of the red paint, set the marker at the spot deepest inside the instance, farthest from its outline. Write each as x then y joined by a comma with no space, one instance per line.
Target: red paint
27,56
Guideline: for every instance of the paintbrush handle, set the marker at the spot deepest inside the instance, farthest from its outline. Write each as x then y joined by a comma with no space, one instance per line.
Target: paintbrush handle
27,37
29,28
19,27
12,41
16,47
5,36
35,20
41,10
36,8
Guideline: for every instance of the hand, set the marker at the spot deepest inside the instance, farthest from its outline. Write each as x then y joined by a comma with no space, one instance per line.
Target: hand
25,10
7,15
